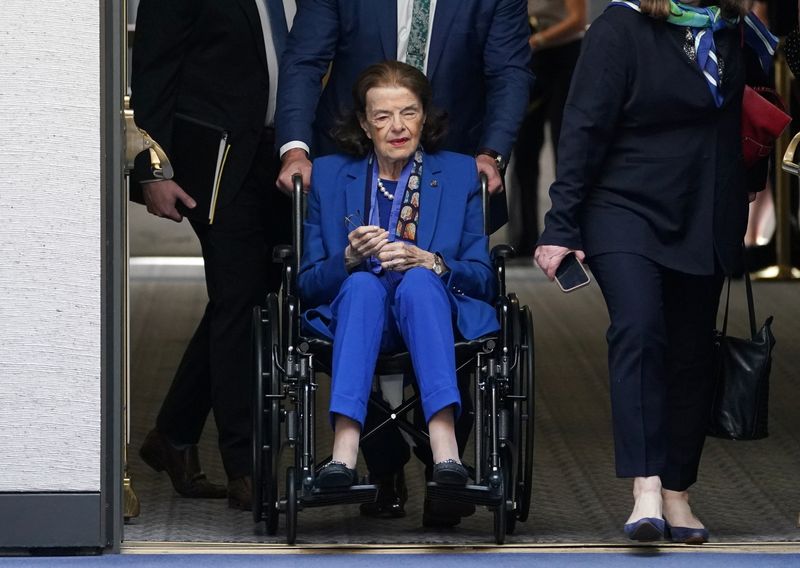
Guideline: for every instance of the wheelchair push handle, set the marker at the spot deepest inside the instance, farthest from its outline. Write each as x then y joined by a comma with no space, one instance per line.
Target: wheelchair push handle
297,218
484,180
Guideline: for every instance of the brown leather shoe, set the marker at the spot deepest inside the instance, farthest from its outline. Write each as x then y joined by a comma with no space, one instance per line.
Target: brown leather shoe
240,493
391,499
182,466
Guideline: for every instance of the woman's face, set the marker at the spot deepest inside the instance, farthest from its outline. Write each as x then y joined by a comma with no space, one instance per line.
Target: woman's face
393,120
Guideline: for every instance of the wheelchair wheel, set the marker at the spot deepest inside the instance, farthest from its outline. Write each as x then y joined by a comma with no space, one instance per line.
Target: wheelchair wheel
291,506
267,408
501,515
511,515
526,376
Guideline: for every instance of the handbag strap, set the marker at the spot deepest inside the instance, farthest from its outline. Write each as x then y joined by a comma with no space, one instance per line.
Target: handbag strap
751,309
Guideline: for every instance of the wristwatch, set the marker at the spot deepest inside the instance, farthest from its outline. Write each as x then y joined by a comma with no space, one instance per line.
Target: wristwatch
499,160
438,264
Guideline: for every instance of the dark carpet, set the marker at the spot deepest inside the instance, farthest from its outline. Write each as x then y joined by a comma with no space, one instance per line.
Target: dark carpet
747,492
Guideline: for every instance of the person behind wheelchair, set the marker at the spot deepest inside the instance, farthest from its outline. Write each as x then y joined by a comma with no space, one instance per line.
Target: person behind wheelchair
395,258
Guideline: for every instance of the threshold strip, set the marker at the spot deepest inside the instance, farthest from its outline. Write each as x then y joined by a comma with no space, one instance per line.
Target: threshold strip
146,547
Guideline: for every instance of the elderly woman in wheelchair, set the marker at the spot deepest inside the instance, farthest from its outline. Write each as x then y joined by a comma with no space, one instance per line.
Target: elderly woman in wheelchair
395,258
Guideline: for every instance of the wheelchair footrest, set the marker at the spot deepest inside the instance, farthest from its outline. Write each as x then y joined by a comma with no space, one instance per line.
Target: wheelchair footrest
355,494
480,495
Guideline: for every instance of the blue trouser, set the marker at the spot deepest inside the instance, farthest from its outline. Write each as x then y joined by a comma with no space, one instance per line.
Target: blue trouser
382,314
660,363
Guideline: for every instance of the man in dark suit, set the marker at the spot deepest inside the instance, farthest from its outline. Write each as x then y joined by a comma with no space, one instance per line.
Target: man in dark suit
215,62
474,52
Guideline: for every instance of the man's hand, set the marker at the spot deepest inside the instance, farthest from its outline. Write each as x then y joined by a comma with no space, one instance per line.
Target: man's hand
400,256
294,161
549,257
365,241
488,165
161,197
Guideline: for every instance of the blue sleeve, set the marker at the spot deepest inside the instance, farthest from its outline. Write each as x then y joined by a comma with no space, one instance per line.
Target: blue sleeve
310,48
596,98
507,75
322,267
471,272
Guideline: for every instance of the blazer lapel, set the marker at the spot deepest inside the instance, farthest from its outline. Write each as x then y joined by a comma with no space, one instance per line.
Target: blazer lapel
253,18
430,196
385,17
442,23
355,194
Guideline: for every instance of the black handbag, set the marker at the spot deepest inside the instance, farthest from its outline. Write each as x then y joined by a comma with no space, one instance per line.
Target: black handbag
741,394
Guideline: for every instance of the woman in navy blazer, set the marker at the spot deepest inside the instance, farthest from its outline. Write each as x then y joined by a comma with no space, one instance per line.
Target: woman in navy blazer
395,257
652,190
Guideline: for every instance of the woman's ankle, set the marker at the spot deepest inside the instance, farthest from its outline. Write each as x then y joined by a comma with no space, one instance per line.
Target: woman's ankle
441,428
345,441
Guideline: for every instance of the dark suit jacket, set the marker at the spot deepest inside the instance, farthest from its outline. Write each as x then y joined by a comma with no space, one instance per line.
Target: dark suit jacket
451,223
477,65
647,163
206,59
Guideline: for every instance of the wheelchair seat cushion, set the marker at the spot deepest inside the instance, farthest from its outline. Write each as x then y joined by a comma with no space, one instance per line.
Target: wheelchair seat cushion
397,363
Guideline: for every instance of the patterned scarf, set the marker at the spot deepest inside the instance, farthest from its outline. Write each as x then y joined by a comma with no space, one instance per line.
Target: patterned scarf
408,219
702,23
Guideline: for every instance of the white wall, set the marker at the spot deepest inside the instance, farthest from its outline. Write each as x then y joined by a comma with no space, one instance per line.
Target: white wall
50,246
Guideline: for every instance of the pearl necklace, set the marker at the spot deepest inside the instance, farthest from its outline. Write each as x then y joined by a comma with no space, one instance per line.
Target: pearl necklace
384,191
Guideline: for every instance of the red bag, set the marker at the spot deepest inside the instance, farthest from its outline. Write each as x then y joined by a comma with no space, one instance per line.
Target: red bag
764,118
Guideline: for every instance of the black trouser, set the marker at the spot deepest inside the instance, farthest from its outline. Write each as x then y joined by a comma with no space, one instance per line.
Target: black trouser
387,451
552,69
660,358
215,370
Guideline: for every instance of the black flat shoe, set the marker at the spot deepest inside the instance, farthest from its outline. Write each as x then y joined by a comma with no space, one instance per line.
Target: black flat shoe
450,472
391,499
336,475
444,514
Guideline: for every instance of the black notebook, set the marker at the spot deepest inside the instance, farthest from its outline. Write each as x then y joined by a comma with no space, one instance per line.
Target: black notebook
199,150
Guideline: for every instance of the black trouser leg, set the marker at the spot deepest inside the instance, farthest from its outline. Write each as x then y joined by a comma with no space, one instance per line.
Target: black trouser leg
239,273
690,305
659,352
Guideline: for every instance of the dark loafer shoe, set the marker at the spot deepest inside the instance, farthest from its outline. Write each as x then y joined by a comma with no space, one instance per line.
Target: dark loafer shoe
240,493
391,499
182,466
336,475
444,514
686,535
450,472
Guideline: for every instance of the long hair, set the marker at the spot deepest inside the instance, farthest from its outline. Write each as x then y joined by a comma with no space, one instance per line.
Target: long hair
348,132
660,8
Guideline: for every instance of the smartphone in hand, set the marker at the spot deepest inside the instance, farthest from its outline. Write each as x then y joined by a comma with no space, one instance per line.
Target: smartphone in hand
571,274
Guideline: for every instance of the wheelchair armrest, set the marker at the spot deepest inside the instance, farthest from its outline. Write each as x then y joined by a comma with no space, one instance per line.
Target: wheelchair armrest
282,253
502,251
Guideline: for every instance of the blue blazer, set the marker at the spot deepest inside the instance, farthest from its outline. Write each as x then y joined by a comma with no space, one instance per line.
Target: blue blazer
647,163
477,64
451,223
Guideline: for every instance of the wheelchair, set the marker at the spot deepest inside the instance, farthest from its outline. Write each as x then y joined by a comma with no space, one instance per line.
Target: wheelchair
285,363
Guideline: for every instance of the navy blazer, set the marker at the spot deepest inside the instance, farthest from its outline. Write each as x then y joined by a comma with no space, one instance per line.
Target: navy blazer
477,64
647,163
451,223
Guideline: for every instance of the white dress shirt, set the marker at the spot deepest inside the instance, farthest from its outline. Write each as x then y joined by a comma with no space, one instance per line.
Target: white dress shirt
289,7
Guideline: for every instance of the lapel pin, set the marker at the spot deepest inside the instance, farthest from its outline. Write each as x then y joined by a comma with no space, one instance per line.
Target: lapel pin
434,183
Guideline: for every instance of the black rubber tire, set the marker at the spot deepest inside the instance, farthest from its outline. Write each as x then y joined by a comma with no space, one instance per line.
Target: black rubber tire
272,416
526,445
500,517
258,413
291,506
